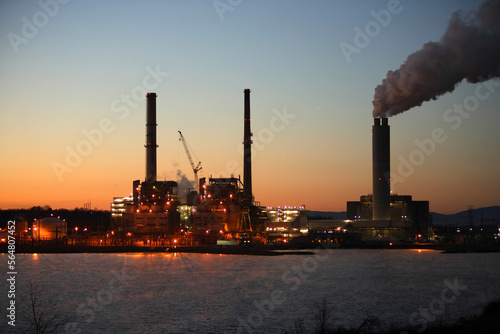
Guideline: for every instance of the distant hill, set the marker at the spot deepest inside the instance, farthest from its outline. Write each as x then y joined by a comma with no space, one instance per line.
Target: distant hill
326,215
486,216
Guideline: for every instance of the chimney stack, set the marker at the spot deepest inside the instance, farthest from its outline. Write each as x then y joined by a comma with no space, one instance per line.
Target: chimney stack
381,169
151,137
247,152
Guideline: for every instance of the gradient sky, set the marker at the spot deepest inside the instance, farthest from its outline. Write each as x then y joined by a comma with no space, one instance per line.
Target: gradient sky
71,74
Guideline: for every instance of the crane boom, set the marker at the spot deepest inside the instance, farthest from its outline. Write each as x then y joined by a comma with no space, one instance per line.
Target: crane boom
198,165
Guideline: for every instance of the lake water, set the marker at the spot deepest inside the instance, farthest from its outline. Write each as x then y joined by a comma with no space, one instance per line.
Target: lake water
206,293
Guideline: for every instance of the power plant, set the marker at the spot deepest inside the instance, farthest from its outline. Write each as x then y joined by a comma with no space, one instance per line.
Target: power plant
224,209
153,207
382,213
221,207
227,204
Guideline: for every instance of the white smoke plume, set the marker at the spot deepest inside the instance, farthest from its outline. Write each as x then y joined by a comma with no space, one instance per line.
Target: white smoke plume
184,184
469,49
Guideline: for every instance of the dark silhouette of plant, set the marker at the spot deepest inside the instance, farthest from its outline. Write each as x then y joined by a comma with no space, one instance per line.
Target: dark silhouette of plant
40,314
322,317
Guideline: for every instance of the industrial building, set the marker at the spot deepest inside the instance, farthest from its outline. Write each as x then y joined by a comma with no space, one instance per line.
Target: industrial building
221,208
408,218
227,204
49,228
383,214
285,222
225,208
152,209
221,205
119,204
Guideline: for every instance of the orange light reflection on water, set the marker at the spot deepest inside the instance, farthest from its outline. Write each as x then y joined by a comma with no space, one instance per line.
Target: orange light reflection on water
420,250
169,255
137,254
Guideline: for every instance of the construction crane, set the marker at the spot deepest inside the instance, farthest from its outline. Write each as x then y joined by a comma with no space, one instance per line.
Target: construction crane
196,168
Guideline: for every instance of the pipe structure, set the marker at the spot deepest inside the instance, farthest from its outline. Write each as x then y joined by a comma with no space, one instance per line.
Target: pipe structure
247,152
381,170
151,137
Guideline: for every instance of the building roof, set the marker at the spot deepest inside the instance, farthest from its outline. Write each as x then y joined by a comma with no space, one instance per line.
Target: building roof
51,220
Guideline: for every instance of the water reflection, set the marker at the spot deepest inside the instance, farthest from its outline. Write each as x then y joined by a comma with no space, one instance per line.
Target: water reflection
180,292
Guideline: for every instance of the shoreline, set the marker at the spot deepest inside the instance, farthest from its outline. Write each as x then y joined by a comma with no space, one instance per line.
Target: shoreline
207,249
245,250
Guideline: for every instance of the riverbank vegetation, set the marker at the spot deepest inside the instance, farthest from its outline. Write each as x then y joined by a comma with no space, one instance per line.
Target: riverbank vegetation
488,322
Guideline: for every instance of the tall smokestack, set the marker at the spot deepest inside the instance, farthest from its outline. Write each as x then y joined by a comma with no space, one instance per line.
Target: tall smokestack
381,170
151,137
247,152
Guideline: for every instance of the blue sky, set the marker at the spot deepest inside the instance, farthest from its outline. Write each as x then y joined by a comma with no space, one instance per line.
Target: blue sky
88,54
